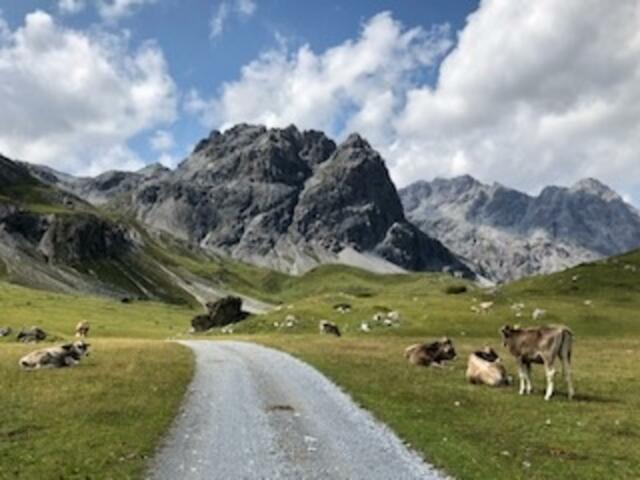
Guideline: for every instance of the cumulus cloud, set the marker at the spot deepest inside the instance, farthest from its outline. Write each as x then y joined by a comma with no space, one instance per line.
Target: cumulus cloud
71,6
162,140
227,8
533,93
112,10
354,85
72,99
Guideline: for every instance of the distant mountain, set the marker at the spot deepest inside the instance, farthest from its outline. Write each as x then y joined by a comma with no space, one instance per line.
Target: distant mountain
508,234
279,198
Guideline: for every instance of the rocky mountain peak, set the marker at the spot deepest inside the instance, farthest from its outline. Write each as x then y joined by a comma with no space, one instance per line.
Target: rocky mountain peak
355,141
281,198
510,234
594,187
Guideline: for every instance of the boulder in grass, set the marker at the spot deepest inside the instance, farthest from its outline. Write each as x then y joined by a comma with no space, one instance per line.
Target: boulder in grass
220,313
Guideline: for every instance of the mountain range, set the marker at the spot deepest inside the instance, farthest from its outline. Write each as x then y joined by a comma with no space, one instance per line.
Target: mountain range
277,198
507,234
286,200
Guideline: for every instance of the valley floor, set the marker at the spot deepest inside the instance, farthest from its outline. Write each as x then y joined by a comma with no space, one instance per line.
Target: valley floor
103,418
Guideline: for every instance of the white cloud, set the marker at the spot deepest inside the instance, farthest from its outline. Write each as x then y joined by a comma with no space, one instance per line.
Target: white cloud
112,10
72,99
71,6
533,93
162,140
226,8
355,83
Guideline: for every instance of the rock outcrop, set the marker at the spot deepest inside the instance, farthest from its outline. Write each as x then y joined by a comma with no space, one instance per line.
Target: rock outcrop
220,313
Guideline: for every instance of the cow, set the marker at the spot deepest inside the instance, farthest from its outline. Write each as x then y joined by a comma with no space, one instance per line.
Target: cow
82,329
329,328
426,354
485,367
33,334
55,357
5,331
540,345
485,307
538,313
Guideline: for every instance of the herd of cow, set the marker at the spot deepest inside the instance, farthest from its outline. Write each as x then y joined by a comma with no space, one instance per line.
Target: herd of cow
542,345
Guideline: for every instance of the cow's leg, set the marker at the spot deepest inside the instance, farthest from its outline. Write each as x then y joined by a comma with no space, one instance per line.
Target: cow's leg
550,372
529,386
522,375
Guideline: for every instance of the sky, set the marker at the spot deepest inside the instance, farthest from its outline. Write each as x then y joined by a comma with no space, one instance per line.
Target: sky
522,93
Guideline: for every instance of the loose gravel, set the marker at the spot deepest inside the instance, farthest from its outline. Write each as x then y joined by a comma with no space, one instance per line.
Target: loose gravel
256,413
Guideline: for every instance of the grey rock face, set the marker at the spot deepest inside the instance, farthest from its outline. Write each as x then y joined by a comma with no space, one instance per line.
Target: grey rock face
100,189
288,200
508,234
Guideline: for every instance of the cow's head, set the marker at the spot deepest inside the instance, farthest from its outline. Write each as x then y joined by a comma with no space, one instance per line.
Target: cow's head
507,332
81,348
446,351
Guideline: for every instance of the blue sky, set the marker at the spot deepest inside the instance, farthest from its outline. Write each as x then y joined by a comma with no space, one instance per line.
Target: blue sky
523,93
182,30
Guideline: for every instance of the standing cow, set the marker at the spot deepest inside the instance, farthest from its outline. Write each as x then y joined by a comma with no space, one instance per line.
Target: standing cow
82,329
540,345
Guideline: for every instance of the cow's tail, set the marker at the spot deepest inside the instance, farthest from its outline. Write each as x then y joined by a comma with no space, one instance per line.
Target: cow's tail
565,356
566,344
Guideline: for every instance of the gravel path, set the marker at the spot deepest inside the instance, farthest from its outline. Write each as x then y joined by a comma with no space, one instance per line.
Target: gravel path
256,413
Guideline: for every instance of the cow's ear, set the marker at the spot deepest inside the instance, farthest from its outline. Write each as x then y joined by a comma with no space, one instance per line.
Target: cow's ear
67,346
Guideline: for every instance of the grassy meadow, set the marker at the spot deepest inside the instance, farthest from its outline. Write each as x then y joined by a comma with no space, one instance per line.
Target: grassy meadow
103,418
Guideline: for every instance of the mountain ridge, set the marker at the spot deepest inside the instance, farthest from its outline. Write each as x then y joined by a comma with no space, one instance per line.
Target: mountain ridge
509,234
279,198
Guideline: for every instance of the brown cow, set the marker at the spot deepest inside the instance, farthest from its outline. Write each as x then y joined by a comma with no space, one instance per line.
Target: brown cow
82,329
329,328
435,353
485,367
540,345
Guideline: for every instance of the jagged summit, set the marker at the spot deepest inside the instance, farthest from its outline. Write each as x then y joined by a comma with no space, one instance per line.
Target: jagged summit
278,197
595,187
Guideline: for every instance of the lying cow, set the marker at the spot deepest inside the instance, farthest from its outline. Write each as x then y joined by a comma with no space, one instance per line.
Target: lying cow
33,334
435,353
329,328
82,329
56,357
540,345
485,367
